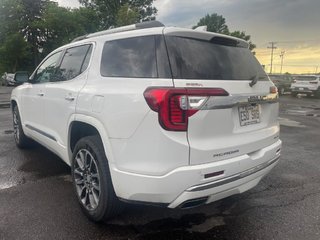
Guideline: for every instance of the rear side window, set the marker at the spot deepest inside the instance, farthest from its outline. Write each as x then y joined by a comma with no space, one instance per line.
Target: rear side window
131,57
211,60
74,62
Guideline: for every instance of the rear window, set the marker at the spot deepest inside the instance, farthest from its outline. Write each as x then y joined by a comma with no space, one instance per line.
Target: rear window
280,77
131,57
305,78
198,59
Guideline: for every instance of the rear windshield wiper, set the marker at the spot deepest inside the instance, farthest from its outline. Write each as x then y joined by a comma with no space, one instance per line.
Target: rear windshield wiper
254,80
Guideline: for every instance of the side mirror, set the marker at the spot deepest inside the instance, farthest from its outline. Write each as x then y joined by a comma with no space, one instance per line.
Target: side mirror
21,77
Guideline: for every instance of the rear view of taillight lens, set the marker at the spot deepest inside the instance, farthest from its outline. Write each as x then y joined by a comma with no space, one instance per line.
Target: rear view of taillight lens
273,89
175,105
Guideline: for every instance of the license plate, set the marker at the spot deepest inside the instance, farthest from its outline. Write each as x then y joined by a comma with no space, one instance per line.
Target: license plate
249,114
301,88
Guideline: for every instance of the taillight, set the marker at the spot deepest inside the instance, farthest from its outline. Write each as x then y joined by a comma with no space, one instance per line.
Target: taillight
175,105
273,89
313,82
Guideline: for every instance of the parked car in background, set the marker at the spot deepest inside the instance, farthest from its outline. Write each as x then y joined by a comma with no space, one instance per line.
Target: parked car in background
282,82
14,79
306,84
3,79
9,79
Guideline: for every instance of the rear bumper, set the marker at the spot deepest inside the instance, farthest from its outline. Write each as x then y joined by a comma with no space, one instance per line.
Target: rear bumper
226,187
188,183
303,90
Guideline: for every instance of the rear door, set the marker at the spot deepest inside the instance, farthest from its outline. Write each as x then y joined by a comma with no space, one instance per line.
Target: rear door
226,126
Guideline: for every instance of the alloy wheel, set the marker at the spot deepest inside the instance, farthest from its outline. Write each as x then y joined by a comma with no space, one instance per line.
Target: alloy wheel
16,129
87,179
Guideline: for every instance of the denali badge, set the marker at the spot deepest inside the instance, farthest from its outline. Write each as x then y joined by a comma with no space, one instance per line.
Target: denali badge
194,84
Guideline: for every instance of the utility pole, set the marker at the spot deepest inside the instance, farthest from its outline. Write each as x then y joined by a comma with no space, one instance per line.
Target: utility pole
273,46
281,56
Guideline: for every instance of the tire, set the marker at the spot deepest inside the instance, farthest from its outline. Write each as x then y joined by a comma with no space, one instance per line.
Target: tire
21,140
317,93
294,94
92,181
281,91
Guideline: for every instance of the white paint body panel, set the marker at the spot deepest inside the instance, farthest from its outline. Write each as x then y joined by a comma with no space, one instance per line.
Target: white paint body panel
148,163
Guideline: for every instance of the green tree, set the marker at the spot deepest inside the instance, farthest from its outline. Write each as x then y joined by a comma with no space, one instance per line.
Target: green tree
87,19
217,23
242,35
108,10
59,26
9,21
36,27
30,29
14,52
127,16
31,15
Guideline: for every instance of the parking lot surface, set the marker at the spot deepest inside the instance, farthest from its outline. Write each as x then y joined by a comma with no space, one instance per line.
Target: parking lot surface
37,199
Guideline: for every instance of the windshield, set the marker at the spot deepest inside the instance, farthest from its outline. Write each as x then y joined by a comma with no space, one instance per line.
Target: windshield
198,59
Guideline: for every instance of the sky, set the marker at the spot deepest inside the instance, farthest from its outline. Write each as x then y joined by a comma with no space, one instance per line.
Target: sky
292,24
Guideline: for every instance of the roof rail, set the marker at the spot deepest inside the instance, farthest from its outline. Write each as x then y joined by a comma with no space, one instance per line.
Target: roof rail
142,25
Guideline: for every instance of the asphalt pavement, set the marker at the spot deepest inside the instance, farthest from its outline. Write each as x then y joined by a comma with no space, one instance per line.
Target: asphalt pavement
37,199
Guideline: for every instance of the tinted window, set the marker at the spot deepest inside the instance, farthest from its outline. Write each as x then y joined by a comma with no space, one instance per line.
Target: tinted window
72,63
306,78
131,57
47,69
198,59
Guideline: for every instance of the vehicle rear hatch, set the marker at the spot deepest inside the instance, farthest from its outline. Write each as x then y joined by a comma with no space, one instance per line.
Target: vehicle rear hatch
305,82
242,122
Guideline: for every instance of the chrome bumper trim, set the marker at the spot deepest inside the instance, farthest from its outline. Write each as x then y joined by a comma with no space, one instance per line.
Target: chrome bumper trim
224,102
234,177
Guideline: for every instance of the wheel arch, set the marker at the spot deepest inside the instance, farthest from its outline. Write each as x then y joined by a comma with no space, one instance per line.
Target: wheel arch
13,103
83,126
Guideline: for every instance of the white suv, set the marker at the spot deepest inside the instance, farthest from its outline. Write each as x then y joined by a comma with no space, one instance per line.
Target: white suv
306,84
152,114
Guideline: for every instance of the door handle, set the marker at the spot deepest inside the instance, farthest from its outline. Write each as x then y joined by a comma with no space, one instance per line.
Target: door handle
40,94
69,98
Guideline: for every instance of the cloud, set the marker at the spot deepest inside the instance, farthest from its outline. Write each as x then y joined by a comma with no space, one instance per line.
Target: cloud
264,20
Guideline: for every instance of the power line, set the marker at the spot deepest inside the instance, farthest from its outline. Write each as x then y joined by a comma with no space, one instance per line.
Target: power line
272,49
296,65
281,56
294,41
